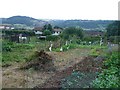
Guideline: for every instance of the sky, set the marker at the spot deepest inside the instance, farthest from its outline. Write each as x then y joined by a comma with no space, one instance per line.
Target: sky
61,9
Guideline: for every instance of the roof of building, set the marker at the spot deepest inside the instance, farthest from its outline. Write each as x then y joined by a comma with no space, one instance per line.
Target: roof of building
57,30
6,25
38,28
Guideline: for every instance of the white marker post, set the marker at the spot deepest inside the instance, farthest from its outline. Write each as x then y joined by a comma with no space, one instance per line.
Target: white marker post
61,49
50,48
101,42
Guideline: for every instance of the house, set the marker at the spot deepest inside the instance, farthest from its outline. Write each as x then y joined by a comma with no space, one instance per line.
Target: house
6,27
57,31
38,30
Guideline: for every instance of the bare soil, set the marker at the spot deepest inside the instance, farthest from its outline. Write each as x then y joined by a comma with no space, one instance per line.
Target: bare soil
64,63
89,65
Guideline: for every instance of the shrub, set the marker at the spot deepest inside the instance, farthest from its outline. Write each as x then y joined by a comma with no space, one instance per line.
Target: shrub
11,32
46,32
114,39
52,38
109,77
91,38
7,46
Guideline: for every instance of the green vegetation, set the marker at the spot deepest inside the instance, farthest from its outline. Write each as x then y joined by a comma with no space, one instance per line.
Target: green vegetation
91,38
13,52
95,52
95,49
48,27
72,33
11,32
110,76
113,32
46,32
52,38
66,47
113,29
72,81
20,52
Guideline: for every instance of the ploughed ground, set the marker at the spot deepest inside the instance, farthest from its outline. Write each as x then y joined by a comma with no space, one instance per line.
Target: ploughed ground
64,64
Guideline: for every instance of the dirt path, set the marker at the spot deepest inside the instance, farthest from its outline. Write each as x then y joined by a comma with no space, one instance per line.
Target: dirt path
14,78
63,60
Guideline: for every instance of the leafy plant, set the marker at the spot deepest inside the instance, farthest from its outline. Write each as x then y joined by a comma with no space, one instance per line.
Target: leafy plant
109,77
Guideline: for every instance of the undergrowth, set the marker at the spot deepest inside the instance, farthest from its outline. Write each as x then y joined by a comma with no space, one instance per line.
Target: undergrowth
110,76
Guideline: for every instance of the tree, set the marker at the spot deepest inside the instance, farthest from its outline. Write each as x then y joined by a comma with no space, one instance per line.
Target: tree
113,32
46,32
70,32
113,29
48,27
45,27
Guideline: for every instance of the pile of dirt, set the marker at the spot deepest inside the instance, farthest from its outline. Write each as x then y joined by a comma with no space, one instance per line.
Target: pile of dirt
41,61
90,64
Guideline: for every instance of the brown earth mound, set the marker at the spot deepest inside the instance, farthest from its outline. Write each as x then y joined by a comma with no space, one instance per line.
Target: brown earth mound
41,61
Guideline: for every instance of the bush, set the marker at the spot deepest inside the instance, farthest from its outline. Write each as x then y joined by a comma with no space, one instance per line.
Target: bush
46,32
52,38
11,32
91,38
7,46
72,32
109,77
114,39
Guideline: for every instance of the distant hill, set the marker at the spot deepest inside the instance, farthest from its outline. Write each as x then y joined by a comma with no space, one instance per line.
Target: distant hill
23,20
86,24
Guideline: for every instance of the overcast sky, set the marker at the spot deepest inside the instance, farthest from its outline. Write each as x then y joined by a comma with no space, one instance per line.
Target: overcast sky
61,9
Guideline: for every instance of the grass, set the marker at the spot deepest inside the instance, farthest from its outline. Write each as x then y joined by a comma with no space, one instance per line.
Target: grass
18,52
21,52
93,46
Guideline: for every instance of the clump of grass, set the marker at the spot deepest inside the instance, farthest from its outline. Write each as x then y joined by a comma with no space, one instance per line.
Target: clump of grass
95,52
